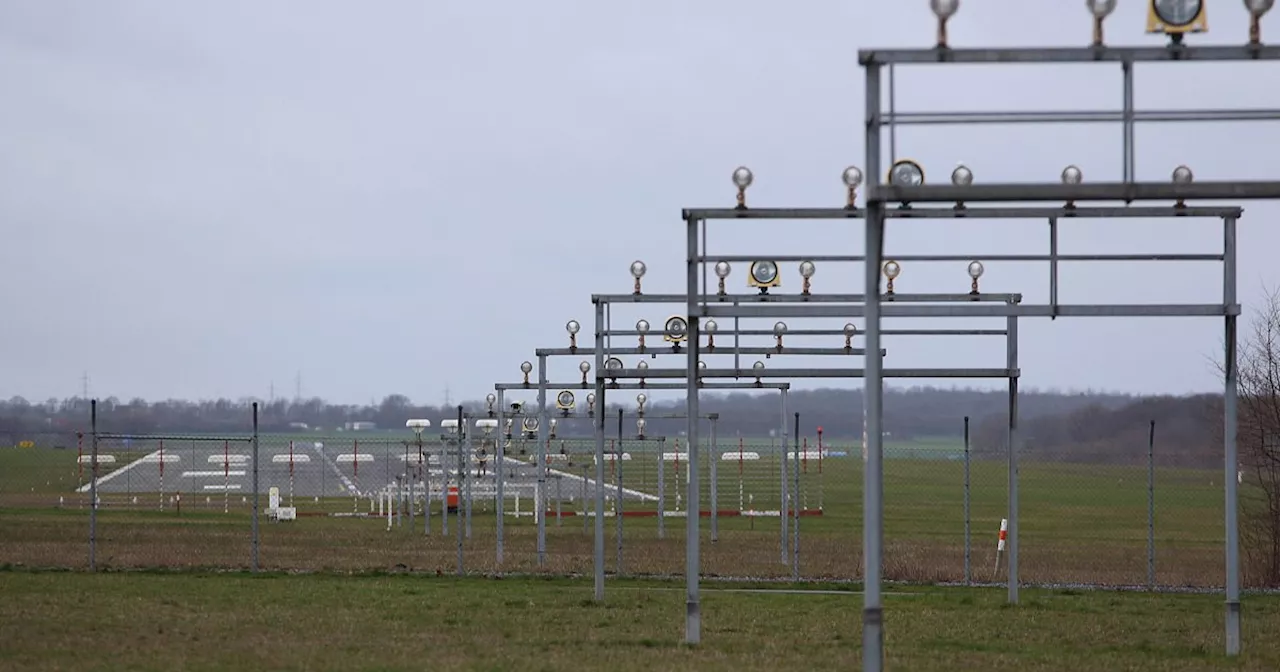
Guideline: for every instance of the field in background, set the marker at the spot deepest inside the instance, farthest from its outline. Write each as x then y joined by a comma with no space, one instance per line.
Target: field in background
60,621
1080,524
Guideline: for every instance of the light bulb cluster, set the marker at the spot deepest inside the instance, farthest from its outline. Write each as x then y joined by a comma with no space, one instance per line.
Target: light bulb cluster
891,270
903,173
764,275
1174,19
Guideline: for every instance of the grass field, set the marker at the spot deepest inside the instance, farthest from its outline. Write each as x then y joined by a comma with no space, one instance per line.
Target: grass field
1079,524
148,621
386,599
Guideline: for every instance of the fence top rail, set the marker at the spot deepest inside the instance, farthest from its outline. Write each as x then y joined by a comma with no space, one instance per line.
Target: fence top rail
169,437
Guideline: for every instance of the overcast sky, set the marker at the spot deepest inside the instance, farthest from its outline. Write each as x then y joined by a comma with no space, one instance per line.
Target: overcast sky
202,199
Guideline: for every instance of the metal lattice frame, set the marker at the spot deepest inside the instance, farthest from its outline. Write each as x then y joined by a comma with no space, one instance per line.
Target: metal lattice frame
502,388
1129,190
702,304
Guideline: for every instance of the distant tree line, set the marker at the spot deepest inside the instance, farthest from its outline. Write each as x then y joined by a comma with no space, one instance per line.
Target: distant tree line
1085,427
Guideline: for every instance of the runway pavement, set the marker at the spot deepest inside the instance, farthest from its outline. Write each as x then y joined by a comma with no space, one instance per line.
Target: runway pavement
332,468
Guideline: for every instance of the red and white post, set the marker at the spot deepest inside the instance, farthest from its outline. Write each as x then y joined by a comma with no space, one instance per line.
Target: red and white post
1004,534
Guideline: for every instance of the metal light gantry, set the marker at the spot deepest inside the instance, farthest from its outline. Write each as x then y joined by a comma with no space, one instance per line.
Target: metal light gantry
763,305
500,414
701,303
1129,190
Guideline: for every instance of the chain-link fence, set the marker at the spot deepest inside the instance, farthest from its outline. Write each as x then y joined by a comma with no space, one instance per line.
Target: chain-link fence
1150,515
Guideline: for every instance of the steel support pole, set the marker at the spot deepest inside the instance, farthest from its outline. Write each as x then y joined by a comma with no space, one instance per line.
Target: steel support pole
693,519
784,544
968,538
617,493
93,485
1151,506
539,495
713,469
499,473
426,487
462,427
254,564
467,452
1011,346
1232,588
795,502
873,393
409,478
599,429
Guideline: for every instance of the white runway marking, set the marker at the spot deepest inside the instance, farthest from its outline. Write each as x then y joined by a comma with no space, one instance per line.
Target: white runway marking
212,473
230,458
121,470
643,496
286,458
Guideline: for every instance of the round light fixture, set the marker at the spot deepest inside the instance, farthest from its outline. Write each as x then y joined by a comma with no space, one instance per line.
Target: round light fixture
525,367
807,269
892,269
944,9
638,269
758,366
779,328
1259,7
641,398
572,327
710,326
490,399
1101,8
905,173
643,365
975,269
962,176
1177,13
1072,175
722,269
584,366
613,364
852,176
764,272
564,399
676,329
850,330
1182,175
742,177
642,327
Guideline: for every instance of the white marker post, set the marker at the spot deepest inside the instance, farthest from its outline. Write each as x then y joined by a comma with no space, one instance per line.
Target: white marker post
162,474
1004,533
226,476
291,474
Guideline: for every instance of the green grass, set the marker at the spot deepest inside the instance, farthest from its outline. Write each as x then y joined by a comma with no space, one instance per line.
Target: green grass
1079,523
142,621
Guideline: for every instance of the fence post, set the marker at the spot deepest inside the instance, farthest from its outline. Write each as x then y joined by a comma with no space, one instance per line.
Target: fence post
409,477
93,486
617,477
1151,506
714,456
255,486
459,523
662,487
968,546
795,506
